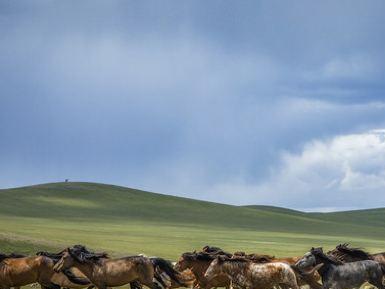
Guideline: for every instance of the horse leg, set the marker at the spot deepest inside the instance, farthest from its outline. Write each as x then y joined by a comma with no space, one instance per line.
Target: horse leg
148,280
378,283
135,285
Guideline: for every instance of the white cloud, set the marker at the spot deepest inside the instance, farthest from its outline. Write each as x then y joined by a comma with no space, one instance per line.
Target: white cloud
327,173
341,173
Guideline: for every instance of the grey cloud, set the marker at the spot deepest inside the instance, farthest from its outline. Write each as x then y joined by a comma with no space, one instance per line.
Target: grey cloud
182,98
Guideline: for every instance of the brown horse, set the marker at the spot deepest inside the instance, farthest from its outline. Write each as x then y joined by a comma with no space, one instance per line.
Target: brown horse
250,275
104,272
16,271
311,279
72,278
198,264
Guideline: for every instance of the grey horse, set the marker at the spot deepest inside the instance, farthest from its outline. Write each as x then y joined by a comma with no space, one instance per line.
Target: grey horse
338,275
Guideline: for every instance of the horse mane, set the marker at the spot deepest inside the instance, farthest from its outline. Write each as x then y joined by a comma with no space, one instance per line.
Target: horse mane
235,259
257,258
82,254
208,253
54,256
318,252
200,256
353,252
12,255
214,251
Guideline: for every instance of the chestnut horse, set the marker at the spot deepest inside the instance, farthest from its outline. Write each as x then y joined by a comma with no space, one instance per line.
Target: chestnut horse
198,264
104,272
17,271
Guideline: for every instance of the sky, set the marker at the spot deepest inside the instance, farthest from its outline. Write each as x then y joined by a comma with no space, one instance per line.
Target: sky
241,102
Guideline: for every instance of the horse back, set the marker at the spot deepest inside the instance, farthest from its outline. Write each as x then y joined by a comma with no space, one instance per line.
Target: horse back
130,268
20,271
288,260
275,270
23,263
369,266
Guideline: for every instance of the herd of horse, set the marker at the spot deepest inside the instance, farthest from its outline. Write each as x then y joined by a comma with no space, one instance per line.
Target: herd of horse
77,267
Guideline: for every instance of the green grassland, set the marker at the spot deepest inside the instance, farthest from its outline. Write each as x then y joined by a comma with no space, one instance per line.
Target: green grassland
127,221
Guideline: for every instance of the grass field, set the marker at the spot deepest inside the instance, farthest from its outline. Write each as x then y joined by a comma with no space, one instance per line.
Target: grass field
126,221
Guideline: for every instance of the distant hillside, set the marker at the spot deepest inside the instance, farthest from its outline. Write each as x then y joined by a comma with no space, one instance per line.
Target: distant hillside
369,217
130,220
276,209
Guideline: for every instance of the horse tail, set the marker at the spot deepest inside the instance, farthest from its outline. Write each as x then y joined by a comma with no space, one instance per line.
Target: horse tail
76,279
166,267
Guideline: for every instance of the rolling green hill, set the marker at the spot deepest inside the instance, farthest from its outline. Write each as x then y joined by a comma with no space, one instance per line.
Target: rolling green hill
128,221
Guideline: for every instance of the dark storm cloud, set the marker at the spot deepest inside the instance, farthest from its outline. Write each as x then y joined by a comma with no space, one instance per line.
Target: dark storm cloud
194,98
